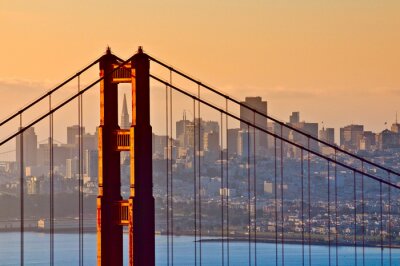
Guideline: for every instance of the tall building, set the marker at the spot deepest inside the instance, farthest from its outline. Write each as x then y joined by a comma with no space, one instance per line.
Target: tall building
350,136
125,123
294,118
327,135
233,136
246,114
388,140
211,142
71,168
306,127
72,133
91,165
29,148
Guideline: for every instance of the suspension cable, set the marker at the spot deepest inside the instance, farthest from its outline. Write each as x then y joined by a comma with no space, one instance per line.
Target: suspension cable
49,93
273,134
222,194
302,204
329,214
248,192
276,202
282,209
227,182
21,185
167,172
194,182
254,188
355,217
363,214
381,220
200,148
305,134
390,221
80,172
171,177
309,201
59,106
336,214
51,171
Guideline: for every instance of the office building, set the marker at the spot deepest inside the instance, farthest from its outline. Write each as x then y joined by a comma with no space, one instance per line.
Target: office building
29,145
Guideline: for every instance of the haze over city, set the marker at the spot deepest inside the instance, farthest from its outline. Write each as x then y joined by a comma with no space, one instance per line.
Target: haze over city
302,56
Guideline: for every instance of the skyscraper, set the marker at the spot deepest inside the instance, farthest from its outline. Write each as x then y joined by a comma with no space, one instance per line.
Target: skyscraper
248,115
29,148
125,123
294,118
350,136
72,132
327,135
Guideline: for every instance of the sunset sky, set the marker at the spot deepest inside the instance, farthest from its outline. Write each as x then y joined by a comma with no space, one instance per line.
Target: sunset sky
334,61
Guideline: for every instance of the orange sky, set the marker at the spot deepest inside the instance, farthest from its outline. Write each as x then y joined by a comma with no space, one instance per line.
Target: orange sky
334,61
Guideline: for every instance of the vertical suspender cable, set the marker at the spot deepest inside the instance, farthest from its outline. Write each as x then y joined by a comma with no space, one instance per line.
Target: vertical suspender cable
249,191
167,161
355,217
200,148
21,186
309,201
381,218
302,206
171,179
194,182
363,213
329,214
227,182
80,174
222,194
254,189
336,212
51,177
276,202
282,209
390,220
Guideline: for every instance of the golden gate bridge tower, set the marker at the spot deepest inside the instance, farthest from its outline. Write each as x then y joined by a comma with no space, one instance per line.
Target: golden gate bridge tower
114,212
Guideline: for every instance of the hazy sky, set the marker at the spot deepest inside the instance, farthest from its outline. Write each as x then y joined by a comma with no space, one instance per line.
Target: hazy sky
334,61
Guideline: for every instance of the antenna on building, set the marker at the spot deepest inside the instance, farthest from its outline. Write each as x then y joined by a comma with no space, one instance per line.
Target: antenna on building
396,117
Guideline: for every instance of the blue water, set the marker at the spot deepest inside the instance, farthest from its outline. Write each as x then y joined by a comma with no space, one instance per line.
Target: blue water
66,252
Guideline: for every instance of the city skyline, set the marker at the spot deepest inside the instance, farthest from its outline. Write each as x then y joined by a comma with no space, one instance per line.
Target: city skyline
288,59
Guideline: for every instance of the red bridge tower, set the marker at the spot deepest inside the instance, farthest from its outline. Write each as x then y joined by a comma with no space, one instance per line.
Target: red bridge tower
114,212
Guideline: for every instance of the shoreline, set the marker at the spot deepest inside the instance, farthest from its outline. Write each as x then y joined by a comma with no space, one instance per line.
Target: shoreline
212,238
